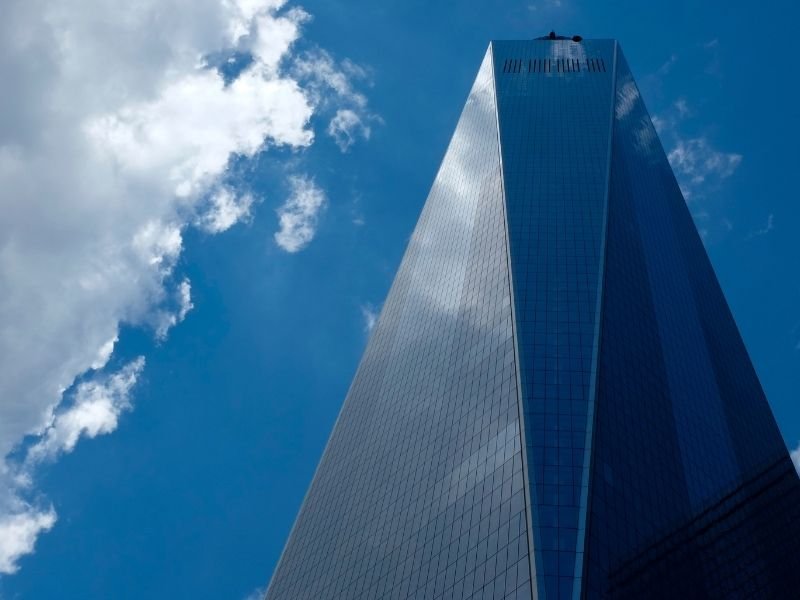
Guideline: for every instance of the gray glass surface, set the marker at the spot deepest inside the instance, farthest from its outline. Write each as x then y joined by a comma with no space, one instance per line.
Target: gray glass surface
420,491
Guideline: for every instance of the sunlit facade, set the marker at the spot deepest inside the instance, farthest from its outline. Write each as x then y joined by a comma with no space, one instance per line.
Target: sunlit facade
555,402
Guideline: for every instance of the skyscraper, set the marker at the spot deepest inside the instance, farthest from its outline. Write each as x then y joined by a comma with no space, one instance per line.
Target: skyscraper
556,401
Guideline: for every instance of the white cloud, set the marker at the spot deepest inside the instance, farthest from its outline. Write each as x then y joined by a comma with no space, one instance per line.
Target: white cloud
299,215
96,409
225,210
370,315
115,137
189,132
274,36
105,352
345,127
18,533
796,458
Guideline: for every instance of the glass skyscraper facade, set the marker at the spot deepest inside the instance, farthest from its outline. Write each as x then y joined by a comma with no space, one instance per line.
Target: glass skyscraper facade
555,402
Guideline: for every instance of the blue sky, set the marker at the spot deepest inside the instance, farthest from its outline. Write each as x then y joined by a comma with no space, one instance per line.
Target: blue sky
198,462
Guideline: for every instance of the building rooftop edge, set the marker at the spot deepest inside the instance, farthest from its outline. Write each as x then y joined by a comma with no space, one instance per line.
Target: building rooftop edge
559,39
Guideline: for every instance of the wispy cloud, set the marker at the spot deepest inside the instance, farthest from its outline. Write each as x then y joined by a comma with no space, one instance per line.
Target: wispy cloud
332,82
166,318
796,458
256,594
114,144
714,63
369,314
698,165
545,5
666,67
345,127
667,121
299,215
652,83
696,162
327,81
682,108
356,212
768,226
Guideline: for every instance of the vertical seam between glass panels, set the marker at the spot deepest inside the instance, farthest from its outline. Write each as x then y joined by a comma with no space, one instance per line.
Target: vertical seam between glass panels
527,488
588,456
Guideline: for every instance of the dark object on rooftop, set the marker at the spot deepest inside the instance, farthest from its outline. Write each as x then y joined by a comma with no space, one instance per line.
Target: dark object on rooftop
553,36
